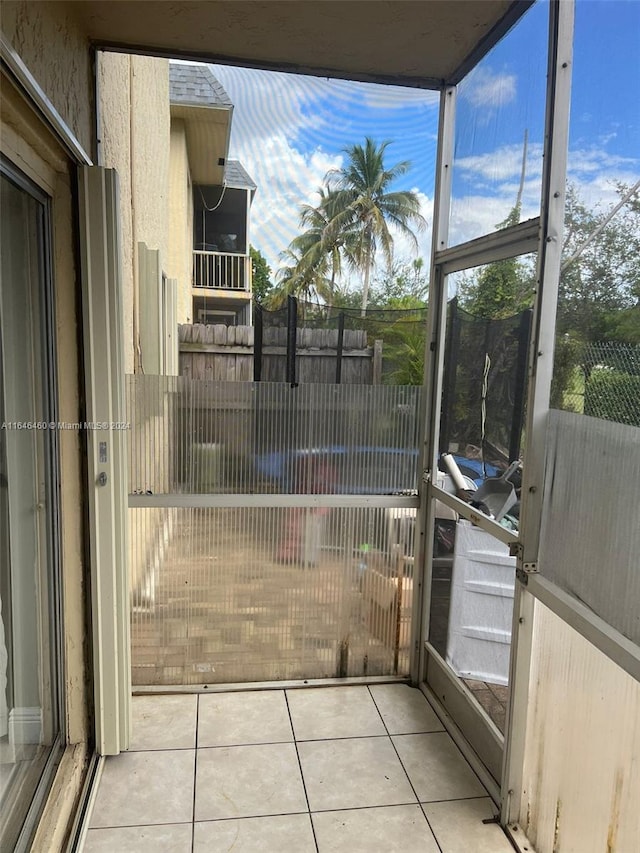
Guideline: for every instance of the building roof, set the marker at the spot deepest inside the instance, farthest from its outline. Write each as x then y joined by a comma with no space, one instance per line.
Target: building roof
195,85
236,176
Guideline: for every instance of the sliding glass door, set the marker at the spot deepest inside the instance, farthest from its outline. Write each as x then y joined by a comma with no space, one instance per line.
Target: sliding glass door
29,623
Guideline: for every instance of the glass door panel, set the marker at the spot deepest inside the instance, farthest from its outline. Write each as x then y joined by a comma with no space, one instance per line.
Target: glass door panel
28,709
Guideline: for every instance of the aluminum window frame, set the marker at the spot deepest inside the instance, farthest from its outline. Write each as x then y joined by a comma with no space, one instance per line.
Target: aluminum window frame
52,473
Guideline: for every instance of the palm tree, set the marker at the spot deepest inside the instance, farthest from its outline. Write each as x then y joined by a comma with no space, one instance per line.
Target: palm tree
363,206
298,277
319,245
319,250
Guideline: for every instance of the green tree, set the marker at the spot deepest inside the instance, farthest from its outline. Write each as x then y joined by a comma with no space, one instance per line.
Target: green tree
599,293
364,206
499,290
297,278
503,288
320,246
261,275
403,287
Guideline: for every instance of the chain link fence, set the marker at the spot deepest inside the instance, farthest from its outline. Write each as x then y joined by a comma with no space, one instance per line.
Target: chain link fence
598,379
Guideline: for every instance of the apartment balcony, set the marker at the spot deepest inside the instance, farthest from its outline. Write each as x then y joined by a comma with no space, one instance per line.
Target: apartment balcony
222,271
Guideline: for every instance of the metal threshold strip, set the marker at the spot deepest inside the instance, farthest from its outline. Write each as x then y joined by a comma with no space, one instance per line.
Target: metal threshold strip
292,684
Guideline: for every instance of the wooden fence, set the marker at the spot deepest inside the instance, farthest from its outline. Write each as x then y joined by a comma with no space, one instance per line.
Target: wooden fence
219,352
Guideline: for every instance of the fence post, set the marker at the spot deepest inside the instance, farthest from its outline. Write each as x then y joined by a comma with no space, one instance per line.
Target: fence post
292,334
377,363
257,343
517,420
339,348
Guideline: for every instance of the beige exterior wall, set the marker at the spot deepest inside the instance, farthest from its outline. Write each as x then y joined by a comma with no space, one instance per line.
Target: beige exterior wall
150,132
28,145
134,140
113,84
55,50
181,219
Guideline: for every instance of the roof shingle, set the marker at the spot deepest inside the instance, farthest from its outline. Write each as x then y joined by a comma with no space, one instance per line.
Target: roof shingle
236,176
195,85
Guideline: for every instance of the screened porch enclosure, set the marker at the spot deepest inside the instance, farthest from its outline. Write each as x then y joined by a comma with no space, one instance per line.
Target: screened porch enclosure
272,530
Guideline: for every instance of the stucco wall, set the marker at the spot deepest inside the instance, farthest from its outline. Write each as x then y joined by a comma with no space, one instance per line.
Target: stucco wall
180,220
113,78
582,762
63,70
150,131
133,93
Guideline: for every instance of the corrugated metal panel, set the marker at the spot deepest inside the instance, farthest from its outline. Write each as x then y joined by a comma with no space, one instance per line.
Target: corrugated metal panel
590,539
260,438
582,758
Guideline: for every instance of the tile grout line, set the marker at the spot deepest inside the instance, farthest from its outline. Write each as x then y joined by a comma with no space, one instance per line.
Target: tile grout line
304,786
405,770
195,777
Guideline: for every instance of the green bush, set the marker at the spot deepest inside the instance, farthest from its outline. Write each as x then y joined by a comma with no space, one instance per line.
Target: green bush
613,396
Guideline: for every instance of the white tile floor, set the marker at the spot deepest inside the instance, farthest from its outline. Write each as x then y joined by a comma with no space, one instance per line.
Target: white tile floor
288,771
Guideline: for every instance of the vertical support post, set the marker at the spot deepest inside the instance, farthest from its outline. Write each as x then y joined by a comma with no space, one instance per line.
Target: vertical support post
399,555
449,389
257,343
292,334
248,278
339,348
524,340
434,360
554,179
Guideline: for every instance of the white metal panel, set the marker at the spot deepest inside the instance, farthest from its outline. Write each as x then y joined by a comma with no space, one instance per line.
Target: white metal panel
170,326
482,581
151,327
103,360
581,781
590,540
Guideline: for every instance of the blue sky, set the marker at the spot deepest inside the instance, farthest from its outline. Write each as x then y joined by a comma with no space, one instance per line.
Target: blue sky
289,130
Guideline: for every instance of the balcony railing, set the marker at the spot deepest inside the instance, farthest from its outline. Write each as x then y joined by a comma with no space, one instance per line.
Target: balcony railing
222,271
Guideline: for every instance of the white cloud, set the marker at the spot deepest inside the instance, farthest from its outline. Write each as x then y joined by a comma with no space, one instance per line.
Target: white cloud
495,181
377,96
288,131
484,88
502,163
270,112
286,178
